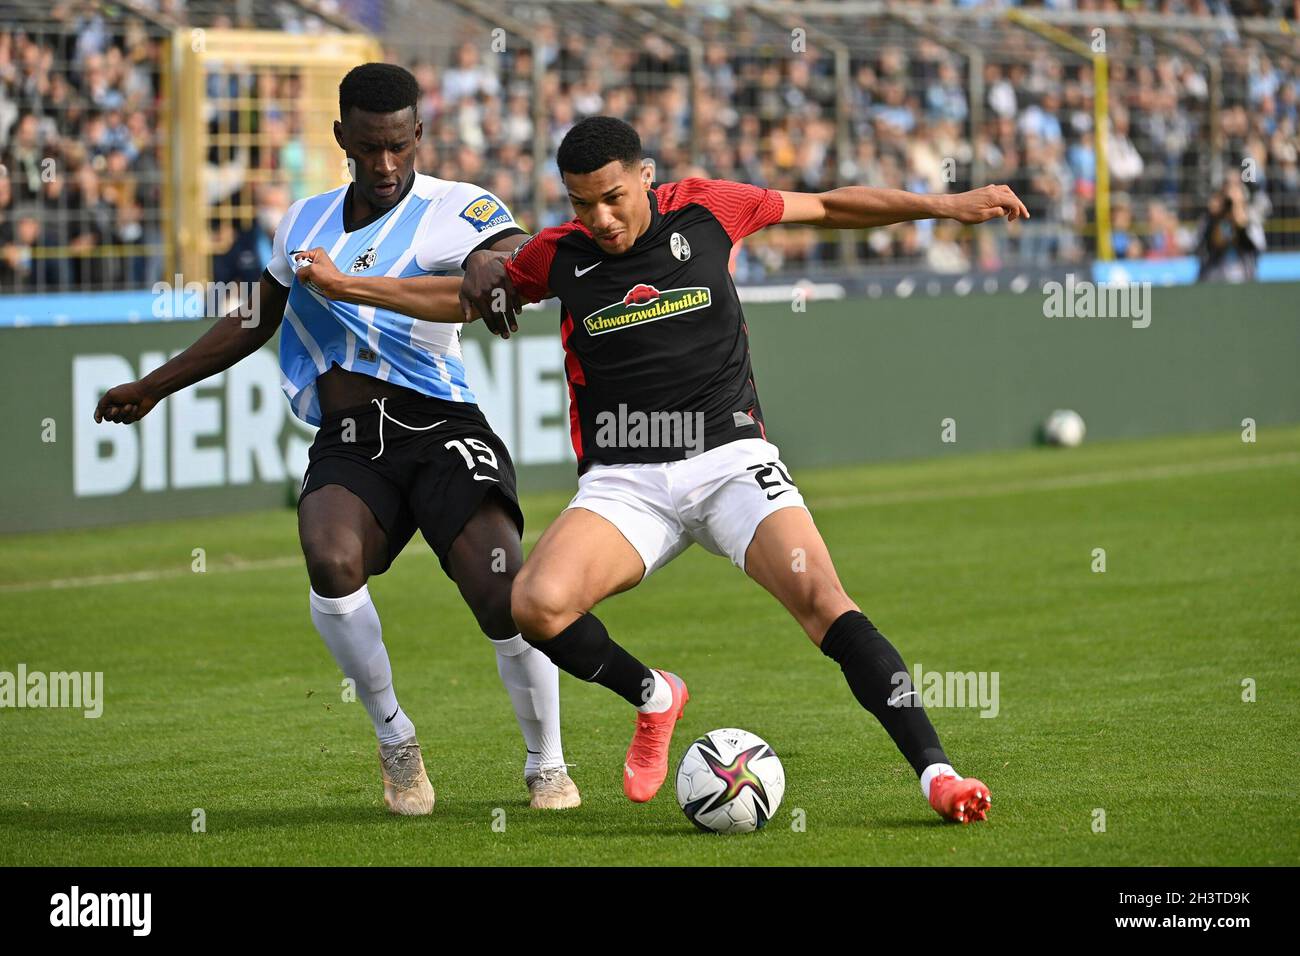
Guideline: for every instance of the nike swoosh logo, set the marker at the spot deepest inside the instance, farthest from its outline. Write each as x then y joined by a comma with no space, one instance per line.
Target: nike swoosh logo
485,478
895,701
579,273
389,718
778,494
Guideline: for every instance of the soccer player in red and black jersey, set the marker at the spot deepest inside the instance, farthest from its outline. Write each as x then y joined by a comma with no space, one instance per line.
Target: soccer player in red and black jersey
670,437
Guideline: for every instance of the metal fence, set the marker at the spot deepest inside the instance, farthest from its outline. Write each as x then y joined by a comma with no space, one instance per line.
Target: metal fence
1115,128
83,143
807,96
118,169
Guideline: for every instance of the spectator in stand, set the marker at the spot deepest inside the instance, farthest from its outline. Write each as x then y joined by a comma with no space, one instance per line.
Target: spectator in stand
249,247
1164,240
1230,238
85,95
20,238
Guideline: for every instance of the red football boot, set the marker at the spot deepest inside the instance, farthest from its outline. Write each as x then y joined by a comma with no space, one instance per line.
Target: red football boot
647,756
962,800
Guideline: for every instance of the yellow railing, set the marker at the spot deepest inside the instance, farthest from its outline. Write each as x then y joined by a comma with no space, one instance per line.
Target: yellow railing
1100,114
227,85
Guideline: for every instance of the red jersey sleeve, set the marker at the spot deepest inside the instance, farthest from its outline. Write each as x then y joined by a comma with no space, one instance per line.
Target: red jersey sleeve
529,266
741,208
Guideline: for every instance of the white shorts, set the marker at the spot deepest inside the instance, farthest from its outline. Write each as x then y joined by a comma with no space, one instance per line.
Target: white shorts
716,498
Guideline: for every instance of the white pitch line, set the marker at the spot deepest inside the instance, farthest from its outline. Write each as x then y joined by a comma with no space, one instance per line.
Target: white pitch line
1054,483
1063,482
162,574
158,574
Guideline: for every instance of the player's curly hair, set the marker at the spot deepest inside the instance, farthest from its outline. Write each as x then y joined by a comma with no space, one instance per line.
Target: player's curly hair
595,141
378,88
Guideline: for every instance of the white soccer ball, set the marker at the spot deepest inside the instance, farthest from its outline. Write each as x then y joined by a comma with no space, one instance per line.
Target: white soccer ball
1065,428
730,781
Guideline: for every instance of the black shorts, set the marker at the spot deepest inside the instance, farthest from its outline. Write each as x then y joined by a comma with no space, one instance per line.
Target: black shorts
423,463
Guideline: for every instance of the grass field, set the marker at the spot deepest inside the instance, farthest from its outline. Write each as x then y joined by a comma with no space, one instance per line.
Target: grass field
1119,690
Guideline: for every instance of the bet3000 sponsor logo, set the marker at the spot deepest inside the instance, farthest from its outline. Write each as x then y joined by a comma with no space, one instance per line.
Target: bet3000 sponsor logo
645,303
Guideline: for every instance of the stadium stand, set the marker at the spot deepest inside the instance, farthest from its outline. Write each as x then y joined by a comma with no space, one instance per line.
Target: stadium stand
926,97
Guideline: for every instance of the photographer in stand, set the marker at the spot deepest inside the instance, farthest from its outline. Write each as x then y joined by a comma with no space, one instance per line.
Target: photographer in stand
1230,237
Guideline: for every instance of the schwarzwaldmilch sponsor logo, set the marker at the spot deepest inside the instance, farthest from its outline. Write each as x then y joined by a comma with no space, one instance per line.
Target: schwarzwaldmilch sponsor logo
645,303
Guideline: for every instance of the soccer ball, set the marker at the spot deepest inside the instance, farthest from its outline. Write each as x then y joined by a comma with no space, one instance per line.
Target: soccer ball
730,781
1065,428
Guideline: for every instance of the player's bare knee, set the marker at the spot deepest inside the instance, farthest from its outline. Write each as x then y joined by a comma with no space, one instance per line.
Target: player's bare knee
829,602
527,607
490,604
334,570
817,605
539,606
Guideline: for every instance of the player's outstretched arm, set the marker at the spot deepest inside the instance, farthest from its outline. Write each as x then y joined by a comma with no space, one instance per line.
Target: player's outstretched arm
231,338
429,298
861,207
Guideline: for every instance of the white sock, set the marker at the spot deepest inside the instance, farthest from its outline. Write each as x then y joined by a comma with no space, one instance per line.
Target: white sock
661,699
350,627
533,683
935,770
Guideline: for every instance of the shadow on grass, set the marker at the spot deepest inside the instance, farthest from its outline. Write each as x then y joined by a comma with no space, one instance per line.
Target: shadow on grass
611,821
168,822
913,823
448,814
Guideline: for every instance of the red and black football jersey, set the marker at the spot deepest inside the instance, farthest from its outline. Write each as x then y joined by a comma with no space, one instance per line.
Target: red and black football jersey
658,330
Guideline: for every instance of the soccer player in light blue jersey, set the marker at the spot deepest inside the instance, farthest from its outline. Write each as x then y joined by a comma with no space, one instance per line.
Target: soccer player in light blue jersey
401,443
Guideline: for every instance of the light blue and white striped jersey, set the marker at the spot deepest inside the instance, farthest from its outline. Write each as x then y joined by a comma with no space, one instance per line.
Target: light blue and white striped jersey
435,226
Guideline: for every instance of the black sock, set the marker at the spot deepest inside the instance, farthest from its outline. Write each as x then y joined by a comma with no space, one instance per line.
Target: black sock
585,650
870,663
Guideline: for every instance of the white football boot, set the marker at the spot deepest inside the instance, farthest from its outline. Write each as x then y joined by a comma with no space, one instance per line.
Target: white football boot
553,789
407,790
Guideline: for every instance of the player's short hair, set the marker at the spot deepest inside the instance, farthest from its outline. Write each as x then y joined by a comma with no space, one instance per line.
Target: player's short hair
378,88
596,141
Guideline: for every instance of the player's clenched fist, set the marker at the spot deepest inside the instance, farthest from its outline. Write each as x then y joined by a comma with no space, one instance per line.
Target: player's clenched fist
487,291
988,202
125,404
316,270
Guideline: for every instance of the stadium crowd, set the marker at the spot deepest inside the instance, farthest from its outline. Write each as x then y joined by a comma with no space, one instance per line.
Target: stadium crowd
81,188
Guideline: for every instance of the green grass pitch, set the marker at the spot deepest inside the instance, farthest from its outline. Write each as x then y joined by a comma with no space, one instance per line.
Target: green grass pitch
1120,691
